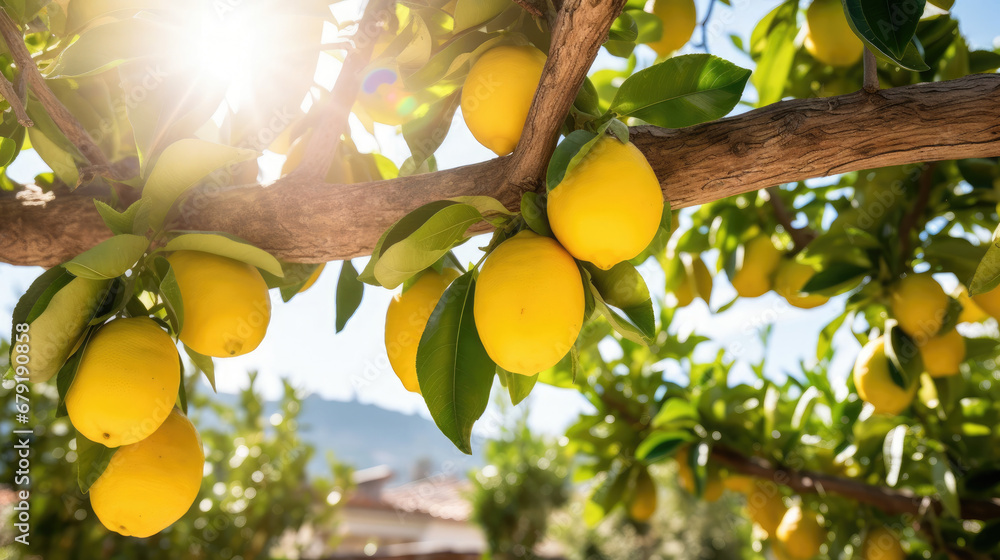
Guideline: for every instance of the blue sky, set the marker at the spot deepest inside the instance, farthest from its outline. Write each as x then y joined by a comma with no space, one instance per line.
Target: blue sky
301,344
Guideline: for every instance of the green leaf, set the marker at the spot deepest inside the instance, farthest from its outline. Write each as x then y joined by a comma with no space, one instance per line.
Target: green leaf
776,59
172,299
92,459
475,13
946,485
519,386
68,372
892,454
649,26
987,275
442,232
681,91
8,151
675,410
888,24
533,210
39,294
568,154
453,369
836,278
120,222
424,134
226,246
181,166
624,288
203,363
883,24
399,231
61,161
905,364
491,209
350,290
109,258
106,46
661,445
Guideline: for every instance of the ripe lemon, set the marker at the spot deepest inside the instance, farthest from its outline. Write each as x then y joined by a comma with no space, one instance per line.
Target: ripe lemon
989,302
54,334
312,278
765,506
943,354
800,533
529,303
875,384
405,321
226,304
679,20
789,280
642,506
151,484
830,39
757,263
498,93
919,304
882,544
971,313
607,209
713,482
126,383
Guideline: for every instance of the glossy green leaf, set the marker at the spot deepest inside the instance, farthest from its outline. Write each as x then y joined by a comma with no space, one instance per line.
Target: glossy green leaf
399,231
892,454
533,210
661,445
946,485
568,154
681,91
92,460
106,46
226,246
350,291
424,134
517,385
887,24
987,275
453,369
474,13
109,258
204,363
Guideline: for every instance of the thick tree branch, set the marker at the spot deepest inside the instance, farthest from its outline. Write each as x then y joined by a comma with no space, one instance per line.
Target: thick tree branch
889,500
65,120
332,120
785,142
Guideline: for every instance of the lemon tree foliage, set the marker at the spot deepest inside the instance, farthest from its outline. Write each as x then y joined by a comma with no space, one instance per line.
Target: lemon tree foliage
910,435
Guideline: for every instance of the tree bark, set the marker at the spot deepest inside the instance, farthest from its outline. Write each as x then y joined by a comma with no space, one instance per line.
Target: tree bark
307,221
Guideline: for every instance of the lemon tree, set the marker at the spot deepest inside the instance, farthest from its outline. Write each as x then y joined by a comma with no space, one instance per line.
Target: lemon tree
856,176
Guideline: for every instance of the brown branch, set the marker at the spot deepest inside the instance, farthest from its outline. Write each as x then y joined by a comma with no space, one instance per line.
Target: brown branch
580,29
785,142
870,83
15,101
800,236
910,219
889,500
532,7
67,123
332,118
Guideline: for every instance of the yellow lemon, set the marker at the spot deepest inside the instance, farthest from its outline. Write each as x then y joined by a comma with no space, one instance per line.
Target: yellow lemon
765,506
55,333
498,93
607,209
875,384
226,304
679,20
757,262
943,354
529,303
789,280
989,301
642,506
126,383
830,39
800,533
971,313
312,278
919,304
405,321
149,485
882,544
713,482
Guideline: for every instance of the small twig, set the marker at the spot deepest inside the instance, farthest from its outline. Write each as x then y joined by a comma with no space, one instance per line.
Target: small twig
910,219
15,101
703,44
331,121
870,83
65,120
531,6
800,236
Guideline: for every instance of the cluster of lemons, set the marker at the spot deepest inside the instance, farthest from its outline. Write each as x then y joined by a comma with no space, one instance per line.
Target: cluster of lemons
796,532
127,382
761,267
920,307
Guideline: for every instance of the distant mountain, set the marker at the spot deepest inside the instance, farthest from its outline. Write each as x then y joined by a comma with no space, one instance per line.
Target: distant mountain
365,435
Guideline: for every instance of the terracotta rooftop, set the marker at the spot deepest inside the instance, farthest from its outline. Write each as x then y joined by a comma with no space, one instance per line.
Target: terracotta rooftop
442,497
